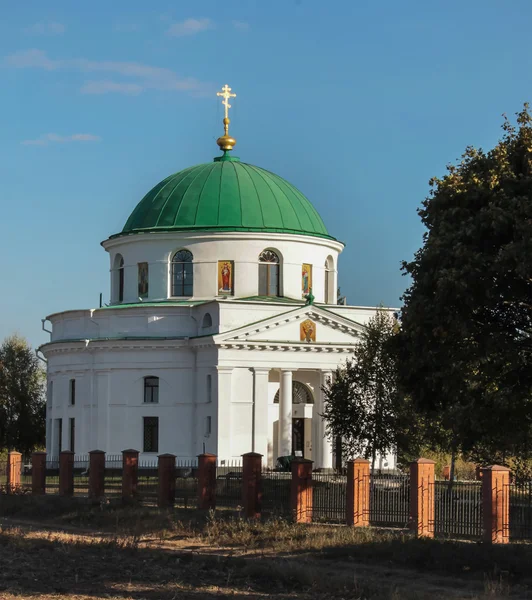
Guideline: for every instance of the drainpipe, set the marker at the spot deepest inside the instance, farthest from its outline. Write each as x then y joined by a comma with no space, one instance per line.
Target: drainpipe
43,321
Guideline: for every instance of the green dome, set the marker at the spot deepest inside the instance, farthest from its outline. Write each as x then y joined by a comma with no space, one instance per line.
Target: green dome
225,195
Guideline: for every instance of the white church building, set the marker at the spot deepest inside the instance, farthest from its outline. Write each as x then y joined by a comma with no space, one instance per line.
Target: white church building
222,326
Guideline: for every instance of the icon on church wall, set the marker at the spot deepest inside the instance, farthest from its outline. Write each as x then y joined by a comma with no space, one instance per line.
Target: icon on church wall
307,331
143,280
306,279
225,277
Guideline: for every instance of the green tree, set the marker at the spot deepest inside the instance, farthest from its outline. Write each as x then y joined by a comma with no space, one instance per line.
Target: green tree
465,346
22,401
361,402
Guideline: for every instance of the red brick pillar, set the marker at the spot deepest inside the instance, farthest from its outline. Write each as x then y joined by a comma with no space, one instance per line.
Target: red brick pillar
38,473
66,473
422,497
358,492
166,480
301,490
96,474
207,481
496,504
252,485
130,473
14,468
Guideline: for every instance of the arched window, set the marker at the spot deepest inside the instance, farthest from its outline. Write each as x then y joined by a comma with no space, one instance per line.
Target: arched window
301,394
269,267
207,321
182,273
118,278
329,281
151,390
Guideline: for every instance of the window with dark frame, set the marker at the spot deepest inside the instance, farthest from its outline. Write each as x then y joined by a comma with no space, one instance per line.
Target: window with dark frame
72,392
72,435
151,390
121,280
59,436
151,434
269,268
183,273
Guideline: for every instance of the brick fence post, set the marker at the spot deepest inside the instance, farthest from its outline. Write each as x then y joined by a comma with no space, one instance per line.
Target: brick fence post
301,490
66,473
252,485
14,468
358,481
96,474
38,473
207,481
422,497
496,504
130,473
165,480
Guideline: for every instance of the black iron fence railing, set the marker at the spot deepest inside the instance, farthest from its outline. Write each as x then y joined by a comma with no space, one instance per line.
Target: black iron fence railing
389,499
458,509
186,483
329,497
147,481
229,485
520,510
276,487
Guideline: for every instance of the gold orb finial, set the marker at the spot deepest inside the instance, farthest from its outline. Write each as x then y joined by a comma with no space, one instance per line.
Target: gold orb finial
226,142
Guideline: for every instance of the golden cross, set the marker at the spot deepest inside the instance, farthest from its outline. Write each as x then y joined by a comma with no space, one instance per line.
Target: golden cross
226,94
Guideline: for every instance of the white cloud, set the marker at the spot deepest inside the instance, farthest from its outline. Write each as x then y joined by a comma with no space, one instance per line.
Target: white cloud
50,138
242,25
190,27
50,28
144,76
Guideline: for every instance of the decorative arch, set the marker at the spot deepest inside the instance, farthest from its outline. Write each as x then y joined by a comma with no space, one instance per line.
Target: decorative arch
118,277
269,273
182,273
301,394
329,280
207,321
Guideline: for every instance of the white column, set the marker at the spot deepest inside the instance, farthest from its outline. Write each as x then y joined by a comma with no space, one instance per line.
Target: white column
223,413
325,456
285,414
260,412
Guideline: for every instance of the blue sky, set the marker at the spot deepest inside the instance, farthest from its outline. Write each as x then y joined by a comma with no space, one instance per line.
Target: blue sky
357,103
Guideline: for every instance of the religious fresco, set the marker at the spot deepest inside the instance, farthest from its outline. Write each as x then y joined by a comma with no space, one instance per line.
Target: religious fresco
143,280
306,279
226,270
307,331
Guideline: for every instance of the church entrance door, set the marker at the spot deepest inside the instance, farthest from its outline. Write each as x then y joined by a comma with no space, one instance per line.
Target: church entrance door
298,437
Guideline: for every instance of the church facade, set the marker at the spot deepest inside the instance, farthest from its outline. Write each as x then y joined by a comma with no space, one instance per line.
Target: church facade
222,328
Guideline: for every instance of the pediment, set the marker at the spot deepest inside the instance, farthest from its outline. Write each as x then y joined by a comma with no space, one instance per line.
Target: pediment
307,325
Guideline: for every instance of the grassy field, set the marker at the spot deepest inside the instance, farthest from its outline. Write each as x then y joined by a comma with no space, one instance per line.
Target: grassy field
51,550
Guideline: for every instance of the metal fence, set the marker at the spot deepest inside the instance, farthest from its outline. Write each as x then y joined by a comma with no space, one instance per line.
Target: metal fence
147,481
458,509
276,487
520,513
3,473
389,499
186,483
229,485
329,497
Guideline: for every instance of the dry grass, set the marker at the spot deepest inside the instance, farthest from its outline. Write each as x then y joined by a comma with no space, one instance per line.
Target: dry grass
86,552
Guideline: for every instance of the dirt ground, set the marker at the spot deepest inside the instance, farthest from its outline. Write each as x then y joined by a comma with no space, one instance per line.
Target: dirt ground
131,554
